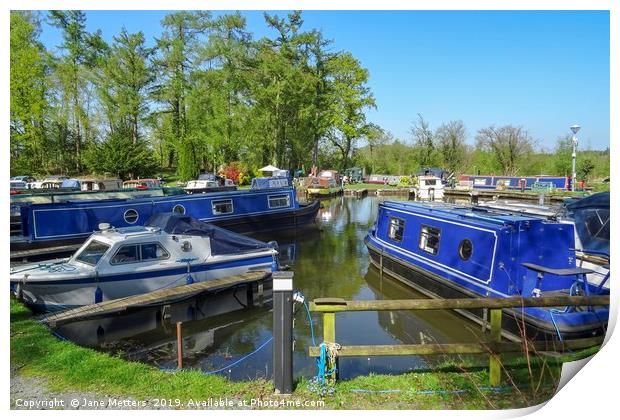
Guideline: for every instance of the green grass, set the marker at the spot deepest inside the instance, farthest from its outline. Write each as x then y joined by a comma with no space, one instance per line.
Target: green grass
69,367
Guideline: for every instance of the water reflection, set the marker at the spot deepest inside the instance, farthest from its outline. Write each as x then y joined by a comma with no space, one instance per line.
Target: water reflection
329,259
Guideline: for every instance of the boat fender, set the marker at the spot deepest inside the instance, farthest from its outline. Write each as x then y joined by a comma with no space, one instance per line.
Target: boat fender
274,264
19,290
98,295
189,280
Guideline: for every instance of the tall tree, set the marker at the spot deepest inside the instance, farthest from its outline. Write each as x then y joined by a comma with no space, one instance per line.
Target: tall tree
320,66
562,156
508,144
126,78
83,52
28,101
221,91
450,138
352,97
424,141
177,58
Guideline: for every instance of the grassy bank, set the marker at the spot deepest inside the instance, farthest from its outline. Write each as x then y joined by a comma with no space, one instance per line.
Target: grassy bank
65,366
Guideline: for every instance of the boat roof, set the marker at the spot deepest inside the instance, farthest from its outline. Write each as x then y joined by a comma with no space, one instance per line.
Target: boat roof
222,241
473,214
116,234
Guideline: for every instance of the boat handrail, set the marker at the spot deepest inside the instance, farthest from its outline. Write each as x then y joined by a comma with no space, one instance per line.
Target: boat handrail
465,213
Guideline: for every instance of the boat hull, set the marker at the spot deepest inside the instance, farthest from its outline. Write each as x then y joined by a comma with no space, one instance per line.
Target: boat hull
515,323
261,222
50,296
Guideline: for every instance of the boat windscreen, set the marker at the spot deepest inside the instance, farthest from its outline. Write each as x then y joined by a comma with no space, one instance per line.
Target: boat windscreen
592,218
223,242
92,253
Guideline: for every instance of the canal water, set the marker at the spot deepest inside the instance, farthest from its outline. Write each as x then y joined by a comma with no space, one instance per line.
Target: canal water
329,259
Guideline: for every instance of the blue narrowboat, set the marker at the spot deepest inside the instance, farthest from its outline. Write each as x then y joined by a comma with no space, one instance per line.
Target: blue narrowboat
491,182
451,251
271,203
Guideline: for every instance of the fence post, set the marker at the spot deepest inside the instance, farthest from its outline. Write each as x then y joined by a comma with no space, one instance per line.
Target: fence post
283,332
495,368
329,336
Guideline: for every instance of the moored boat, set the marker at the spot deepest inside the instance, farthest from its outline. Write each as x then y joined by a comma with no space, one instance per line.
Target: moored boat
209,182
327,184
170,250
142,184
267,205
449,251
429,188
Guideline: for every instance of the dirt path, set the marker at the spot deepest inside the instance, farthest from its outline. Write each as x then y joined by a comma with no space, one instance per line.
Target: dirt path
32,393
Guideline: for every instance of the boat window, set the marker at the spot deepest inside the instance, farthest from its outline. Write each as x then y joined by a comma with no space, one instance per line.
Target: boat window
277,201
92,253
429,239
222,206
126,254
153,252
396,229
131,216
179,209
466,248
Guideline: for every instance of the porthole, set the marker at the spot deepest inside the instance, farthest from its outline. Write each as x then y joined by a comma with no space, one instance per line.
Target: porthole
465,249
131,216
179,209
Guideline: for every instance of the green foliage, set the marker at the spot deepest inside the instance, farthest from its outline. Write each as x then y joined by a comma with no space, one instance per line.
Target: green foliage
121,156
84,54
28,102
125,77
562,156
450,139
584,169
509,145
208,94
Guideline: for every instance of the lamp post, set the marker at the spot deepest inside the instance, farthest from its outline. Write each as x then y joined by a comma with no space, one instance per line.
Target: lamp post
574,128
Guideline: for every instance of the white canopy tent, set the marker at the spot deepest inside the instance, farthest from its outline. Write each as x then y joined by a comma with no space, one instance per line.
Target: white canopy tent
270,170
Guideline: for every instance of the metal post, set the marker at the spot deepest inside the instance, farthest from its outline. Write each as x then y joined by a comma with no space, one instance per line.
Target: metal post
180,345
574,128
283,332
574,140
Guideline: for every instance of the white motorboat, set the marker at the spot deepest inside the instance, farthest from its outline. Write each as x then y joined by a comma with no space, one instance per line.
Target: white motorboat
170,250
429,188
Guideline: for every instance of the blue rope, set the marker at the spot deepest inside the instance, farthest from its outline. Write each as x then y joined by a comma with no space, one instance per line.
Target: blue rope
321,362
429,391
310,322
240,360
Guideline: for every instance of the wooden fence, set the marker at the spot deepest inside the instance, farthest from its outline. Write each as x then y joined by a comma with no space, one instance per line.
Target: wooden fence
330,306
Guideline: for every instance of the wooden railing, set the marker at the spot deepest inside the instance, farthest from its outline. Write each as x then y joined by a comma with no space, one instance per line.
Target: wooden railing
330,306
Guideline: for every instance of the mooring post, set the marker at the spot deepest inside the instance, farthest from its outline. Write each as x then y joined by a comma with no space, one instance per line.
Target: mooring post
329,336
180,345
283,332
495,366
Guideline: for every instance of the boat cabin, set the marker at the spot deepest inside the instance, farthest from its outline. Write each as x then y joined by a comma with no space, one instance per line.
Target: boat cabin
142,184
429,188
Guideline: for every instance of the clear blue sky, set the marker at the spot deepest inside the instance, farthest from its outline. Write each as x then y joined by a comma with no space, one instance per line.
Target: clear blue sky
544,70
